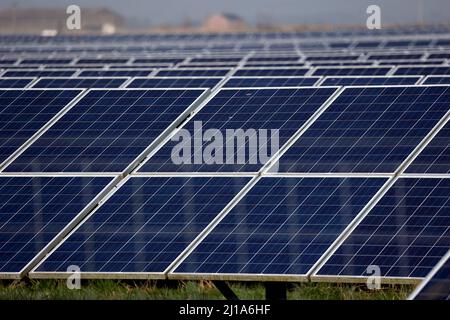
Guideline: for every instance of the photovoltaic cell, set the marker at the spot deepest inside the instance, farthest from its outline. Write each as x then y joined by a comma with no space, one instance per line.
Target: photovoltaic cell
248,110
145,225
173,82
15,82
24,112
282,226
405,234
236,82
35,209
105,131
435,158
257,72
437,284
371,129
192,73
79,83
367,81
101,61
378,71
46,61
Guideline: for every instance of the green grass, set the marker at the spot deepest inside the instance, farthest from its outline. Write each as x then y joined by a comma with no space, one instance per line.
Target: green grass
112,289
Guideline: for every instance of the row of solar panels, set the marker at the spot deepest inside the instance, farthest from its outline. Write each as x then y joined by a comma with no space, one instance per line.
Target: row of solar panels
239,72
363,181
213,82
232,59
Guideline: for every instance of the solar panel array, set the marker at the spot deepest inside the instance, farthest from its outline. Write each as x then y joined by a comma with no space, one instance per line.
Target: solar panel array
354,171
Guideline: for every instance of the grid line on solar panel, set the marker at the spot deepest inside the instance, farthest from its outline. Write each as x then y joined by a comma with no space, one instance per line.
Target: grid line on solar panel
115,73
37,73
369,80
436,286
351,71
273,81
282,226
36,211
79,82
173,82
281,109
143,226
405,234
107,130
368,129
25,112
15,82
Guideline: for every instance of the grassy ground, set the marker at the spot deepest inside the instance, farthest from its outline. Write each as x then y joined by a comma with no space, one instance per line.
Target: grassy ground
110,289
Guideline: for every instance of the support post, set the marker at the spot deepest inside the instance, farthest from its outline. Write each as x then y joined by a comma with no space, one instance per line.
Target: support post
276,291
225,290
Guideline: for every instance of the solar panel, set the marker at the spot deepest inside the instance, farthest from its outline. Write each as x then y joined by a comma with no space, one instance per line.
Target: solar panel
439,56
241,82
192,73
172,82
38,73
158,60
79,82
25,112
102,61
46,61
144,226
369,81
34,210
405,234
351,71
368,129
248,110
393,56
274,64
106,130
418,70
281,227
116,73
216,59
435,158
436,286
15,82
274,59
265,72
437,80
332,57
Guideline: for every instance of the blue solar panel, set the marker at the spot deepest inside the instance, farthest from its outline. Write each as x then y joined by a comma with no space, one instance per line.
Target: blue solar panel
369,81
101,61
105,131
145,225
245,109
159,60
422,70
349,71
116,73
274,59
38,73
15,82
35,209
435,158
79,83
437,284
437,80
241,82
331,57
174,82
46,61
192,73
24,112
372,129
216,59
439,56
393,56
265,72
274,64
282,226
405,234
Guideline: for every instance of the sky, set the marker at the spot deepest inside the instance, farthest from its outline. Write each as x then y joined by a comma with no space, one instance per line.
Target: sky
155,12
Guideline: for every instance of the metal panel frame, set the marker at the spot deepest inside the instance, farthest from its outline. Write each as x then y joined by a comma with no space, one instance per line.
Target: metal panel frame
78,78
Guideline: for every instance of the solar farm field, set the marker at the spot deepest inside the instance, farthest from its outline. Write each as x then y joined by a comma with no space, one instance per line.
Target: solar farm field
191,166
